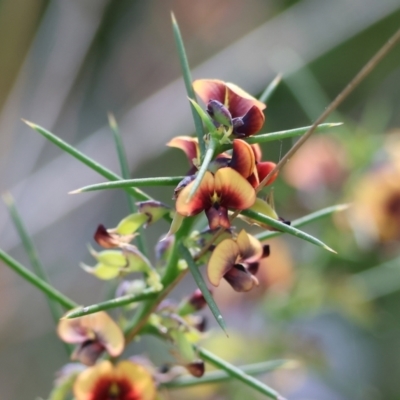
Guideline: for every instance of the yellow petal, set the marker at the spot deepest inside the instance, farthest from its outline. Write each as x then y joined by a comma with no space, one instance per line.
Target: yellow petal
140,378
102,271
222,259
234,190
87,380
200,200
250,248
131,223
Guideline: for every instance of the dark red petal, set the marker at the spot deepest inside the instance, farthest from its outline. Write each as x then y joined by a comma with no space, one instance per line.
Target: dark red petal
240,278
218,217
240,102
88,352
253,121
196,368
257,152
264,168
243,160
105,239
199,201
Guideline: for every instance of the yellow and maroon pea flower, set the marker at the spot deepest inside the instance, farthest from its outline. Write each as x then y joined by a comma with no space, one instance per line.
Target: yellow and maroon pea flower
124,381
227,189
245,110
237,261
375,212
246,160
93,334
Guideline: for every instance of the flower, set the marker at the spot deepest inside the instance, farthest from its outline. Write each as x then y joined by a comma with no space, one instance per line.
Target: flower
94,334
124,381
375,211
321,163
149,211
215,195
237,261
246,159
246,112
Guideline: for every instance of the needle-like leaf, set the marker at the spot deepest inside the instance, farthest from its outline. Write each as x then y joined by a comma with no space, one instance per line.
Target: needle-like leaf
202,286
307,219
285,228
45,287
127,183
239,374
187,77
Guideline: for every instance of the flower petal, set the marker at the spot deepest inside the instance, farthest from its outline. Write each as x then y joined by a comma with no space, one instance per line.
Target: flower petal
218,217
240,278
73,331
85,384
189,145
108,332
200,200
246,101
243,160
257,151
154,210
264,168
104,238
94,327
102,271
234,190
222,259
131,223
210,89
250,248
140,379
252,121
88,352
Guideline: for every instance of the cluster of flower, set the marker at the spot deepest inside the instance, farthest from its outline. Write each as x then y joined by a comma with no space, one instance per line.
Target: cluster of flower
233,176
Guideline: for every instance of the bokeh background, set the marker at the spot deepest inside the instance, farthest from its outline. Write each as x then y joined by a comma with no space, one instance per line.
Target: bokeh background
65,64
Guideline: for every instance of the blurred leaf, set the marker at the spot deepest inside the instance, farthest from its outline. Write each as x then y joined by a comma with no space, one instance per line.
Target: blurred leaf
46,288
270,89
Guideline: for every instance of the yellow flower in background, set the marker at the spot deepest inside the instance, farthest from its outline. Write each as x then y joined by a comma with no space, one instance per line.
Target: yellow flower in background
124,381
375,213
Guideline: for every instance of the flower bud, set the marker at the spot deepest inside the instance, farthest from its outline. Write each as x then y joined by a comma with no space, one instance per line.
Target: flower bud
193,303
219,113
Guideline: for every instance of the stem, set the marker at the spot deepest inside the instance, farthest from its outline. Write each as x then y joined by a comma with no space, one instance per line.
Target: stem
204,166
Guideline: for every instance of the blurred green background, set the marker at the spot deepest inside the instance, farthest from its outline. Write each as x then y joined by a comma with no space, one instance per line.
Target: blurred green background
65,64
